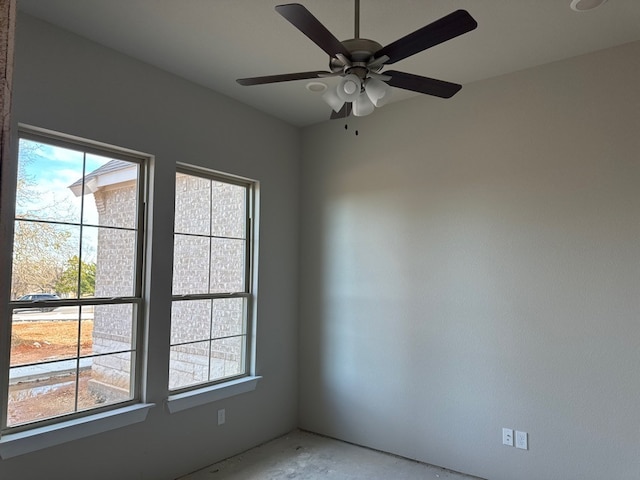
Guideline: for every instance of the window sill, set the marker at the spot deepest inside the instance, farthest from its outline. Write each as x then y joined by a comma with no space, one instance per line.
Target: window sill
202,396
14,444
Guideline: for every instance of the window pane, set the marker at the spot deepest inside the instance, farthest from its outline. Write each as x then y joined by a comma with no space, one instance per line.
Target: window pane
41,252
228,317
227,265
193,212
112,329
105,380
44,336
210,258
45,173
228,204
227,357
190,321
23,316
115,261
190,264
75,237
80,270
110,192
189,364
47,392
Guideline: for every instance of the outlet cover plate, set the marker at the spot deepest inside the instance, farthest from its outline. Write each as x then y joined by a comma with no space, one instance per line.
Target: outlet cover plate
507,437
522,440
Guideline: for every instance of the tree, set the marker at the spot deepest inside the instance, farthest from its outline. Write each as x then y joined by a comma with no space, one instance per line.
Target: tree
40,248
68,281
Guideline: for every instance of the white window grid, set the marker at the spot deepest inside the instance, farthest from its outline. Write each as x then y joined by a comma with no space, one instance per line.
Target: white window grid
136,300
246,294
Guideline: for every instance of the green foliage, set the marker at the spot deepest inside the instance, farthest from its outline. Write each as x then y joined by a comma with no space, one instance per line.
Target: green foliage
68,281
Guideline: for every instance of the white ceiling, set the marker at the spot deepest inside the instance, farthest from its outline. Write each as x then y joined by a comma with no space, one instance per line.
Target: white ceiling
213,42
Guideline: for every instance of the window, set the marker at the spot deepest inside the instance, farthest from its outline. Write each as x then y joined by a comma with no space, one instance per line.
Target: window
212,281
76,282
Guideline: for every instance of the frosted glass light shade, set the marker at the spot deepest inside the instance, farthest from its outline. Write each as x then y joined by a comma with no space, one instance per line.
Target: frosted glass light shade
377,91
349,88
363,106
333,100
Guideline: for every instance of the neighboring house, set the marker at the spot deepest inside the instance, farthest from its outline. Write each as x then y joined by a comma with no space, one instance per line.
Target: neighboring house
113,187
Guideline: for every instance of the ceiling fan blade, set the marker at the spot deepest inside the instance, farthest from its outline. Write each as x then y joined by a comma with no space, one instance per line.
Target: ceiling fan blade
303,20
416,83
280,78
446,28
344,112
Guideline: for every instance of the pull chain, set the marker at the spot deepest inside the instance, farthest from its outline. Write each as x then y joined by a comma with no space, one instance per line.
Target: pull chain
346,122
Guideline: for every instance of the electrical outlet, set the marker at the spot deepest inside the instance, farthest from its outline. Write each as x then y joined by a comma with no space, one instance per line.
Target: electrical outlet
522,440
221,416
507,437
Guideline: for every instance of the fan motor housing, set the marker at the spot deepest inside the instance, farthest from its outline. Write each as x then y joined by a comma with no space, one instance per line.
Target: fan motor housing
360,49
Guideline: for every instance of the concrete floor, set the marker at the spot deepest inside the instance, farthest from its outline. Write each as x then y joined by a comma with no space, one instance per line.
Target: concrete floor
305,456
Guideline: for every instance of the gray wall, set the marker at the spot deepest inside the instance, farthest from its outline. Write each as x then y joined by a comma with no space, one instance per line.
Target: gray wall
473,264
466,265
73,86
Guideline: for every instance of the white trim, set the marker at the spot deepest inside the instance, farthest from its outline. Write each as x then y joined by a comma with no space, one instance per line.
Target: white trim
31,437
213,393
65,140
215,175
14,444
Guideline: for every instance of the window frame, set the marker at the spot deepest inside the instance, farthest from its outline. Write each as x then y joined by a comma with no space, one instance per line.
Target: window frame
137,300
246,380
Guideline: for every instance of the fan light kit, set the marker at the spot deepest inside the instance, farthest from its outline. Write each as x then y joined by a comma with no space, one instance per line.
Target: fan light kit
359,61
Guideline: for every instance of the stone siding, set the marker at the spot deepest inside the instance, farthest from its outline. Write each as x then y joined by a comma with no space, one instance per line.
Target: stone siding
195,362
115,263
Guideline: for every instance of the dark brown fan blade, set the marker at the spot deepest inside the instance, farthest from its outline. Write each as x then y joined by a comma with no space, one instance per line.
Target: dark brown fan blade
303,20
287,77
416,83
344,112
446,28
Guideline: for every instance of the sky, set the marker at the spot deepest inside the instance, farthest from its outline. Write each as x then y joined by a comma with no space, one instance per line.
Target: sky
48,171
45,173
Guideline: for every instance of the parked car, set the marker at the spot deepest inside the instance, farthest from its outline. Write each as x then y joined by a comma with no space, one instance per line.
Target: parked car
34,297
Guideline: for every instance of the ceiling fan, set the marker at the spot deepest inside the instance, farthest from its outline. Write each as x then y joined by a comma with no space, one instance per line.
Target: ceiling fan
359,61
